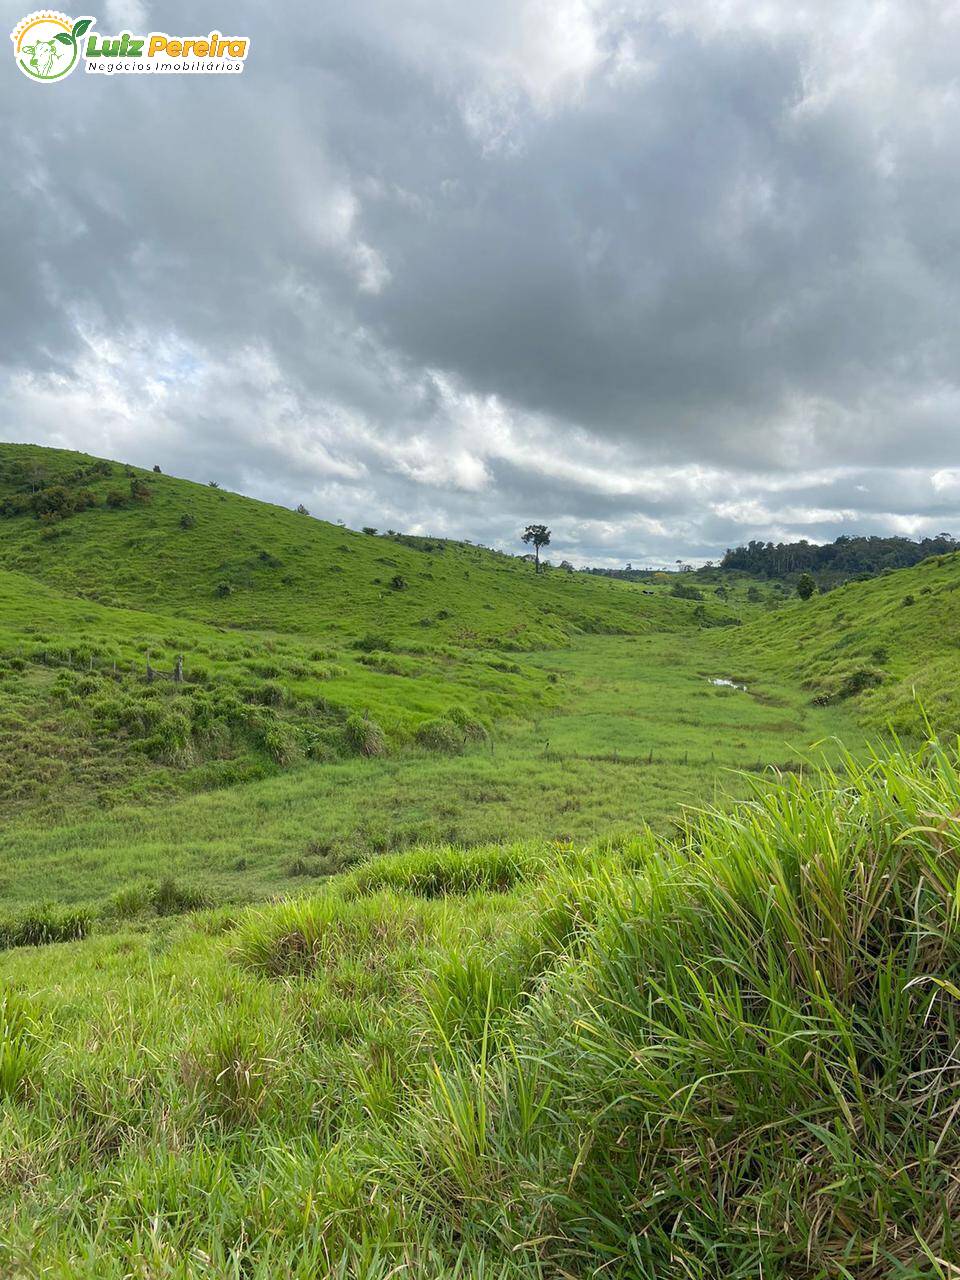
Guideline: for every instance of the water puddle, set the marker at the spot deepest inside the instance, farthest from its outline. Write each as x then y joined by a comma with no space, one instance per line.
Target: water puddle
728,684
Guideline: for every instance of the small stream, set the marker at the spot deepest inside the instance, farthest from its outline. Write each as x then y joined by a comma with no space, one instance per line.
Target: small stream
727,684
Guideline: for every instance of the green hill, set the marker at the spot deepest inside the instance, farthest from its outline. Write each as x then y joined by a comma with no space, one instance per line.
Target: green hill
502,1008
890,645
243,563
300,639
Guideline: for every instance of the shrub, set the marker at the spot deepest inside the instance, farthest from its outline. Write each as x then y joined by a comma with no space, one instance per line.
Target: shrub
857,681
222,590
187,521
373,642
908,600
170,898
469,725
170,741
398,582
267,694
129,901
59,501
116,499
279,740
40,925
364,736
438,873
440,735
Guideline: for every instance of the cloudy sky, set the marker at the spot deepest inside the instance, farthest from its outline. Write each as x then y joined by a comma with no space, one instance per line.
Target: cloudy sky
665,274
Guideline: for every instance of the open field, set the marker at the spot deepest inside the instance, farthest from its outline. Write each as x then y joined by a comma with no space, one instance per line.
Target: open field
463,927
640,731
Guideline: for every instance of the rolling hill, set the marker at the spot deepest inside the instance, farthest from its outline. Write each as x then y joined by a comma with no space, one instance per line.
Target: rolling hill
403,936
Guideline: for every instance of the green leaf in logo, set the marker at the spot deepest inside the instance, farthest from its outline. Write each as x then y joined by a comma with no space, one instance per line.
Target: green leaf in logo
63,37
80,26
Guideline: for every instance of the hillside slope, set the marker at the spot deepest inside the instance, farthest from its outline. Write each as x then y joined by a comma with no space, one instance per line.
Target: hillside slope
245,563
890,645
301,640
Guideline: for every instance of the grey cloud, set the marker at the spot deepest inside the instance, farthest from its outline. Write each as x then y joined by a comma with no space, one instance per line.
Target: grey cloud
665,275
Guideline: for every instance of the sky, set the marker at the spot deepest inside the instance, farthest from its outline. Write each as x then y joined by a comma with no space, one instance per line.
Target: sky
665,275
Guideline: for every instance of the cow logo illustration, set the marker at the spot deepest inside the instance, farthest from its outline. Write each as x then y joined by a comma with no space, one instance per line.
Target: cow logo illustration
46,45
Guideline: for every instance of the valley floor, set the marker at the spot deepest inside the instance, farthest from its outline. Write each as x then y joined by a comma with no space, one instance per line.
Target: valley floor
640,732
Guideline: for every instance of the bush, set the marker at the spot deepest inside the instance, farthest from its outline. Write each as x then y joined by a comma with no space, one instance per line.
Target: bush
398,582
857,681
187,521
438,873
38,926
280,742
364,736
169,898
59,501
116,499
469,725
440,735
373,642
222,590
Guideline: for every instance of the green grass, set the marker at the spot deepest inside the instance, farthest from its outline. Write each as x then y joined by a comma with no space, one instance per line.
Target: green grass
892,645
295,645
730,1053
638,732
296,574
397,940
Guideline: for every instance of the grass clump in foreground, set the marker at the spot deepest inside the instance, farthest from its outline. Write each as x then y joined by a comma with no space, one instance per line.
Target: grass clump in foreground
732,1054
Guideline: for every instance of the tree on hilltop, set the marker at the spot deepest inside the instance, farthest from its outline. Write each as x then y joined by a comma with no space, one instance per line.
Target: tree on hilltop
539,535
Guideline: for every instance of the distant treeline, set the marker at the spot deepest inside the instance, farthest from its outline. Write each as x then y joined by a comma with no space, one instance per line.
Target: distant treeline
846,557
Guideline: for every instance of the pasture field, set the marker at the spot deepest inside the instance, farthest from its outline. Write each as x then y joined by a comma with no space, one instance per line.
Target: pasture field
640,731
453,921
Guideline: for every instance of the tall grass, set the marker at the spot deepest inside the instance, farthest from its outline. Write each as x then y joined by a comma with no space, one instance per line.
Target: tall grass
729,1054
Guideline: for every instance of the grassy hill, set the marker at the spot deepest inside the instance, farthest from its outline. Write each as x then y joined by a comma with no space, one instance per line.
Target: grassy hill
314,726
243,563
890,645
501,1007
300,639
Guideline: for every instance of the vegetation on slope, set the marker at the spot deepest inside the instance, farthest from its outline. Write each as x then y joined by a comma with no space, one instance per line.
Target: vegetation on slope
891,645
730,1054
845,558
636,730
301,640
243,563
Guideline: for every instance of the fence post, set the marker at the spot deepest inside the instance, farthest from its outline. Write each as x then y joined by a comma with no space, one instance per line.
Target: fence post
178,670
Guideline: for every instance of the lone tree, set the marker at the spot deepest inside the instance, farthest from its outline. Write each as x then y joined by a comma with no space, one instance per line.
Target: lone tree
806,586
539,535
